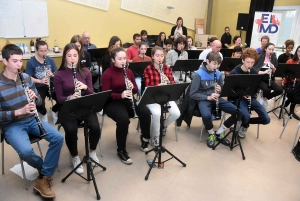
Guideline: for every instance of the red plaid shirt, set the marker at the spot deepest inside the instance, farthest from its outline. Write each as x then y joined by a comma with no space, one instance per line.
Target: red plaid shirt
152,75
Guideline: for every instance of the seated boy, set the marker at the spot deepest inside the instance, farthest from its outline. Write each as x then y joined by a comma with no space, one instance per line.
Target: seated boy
205,88
249,57
17,120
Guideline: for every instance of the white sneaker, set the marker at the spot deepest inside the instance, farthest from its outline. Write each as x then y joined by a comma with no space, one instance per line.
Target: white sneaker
54,117
45,118
242,132
265,103
238,125
94,157
155,141
76,161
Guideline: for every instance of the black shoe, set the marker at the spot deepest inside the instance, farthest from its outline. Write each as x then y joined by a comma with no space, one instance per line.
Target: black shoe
144,145
296,151
123,155
220,137
287,102
211,140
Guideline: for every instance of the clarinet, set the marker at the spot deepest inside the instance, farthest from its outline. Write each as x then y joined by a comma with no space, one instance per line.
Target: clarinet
77,91
217,101
162,81
270,74
127,88
249,100
36,115
49,87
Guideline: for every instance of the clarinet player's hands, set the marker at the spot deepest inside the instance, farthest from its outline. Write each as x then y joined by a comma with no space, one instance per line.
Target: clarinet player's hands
218,88
81,86
32,95
247,97
129,84
27,109
44,81
213,96
127,94
49,73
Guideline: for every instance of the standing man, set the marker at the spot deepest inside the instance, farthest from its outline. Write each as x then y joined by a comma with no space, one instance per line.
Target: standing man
215,47
86,40
226,38
133,50
17,120
264,40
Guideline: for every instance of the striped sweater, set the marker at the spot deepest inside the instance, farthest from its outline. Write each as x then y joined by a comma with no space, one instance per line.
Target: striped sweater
12,97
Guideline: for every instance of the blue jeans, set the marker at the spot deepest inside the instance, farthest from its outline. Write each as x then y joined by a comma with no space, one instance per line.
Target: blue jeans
17,136
205,110
263,117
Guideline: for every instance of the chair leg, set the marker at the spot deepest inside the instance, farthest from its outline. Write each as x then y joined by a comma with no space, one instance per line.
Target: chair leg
138,126
202,127
295,138
285,126
100,147
38,144
24,175
2,156
176,134
257,130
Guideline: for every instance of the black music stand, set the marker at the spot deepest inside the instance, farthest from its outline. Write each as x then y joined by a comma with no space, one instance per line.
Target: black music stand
162,95
148,52
187,66
285,71
228,63
98,53
138,67
237,86
226,52
81,108
194,54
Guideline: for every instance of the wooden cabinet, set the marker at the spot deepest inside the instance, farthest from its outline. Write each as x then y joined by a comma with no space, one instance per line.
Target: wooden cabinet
203,38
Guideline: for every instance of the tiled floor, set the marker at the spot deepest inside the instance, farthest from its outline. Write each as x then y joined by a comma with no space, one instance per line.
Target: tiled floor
270,171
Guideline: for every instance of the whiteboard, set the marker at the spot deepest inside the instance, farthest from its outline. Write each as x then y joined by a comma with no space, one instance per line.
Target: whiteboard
100,4
187,9
23,18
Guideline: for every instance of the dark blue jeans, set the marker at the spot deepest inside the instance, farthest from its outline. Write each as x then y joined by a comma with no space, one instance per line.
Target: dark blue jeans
205,110
263,117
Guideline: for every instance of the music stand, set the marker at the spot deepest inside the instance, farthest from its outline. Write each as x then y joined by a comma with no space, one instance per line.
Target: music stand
237,86
82,108
226,52
97,54
285,71
187,66
194,54
228,63
138,67
162,95
148,52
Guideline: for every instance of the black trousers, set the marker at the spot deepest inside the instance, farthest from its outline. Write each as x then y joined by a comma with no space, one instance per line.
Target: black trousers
277,90
121,111
71,130
43,91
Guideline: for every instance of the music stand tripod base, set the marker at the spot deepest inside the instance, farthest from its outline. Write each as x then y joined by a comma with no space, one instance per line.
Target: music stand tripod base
81,108
162,95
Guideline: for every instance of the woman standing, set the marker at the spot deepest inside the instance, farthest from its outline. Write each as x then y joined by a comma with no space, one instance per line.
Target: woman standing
120,106
179,30
153,74
65,90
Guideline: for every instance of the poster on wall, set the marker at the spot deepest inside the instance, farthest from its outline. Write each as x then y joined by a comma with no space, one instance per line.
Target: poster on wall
265,23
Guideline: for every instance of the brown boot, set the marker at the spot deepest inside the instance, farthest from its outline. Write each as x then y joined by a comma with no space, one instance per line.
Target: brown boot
43,186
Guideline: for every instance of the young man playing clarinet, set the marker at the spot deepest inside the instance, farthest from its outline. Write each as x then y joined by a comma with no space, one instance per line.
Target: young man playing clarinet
17,120
249,56
205,88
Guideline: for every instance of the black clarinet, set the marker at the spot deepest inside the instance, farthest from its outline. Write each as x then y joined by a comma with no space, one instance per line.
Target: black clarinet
49,87
127,88
36,116
249,100
78,91
217,101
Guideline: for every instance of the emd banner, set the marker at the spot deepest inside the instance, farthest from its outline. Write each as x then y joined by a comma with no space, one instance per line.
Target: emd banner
265,23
